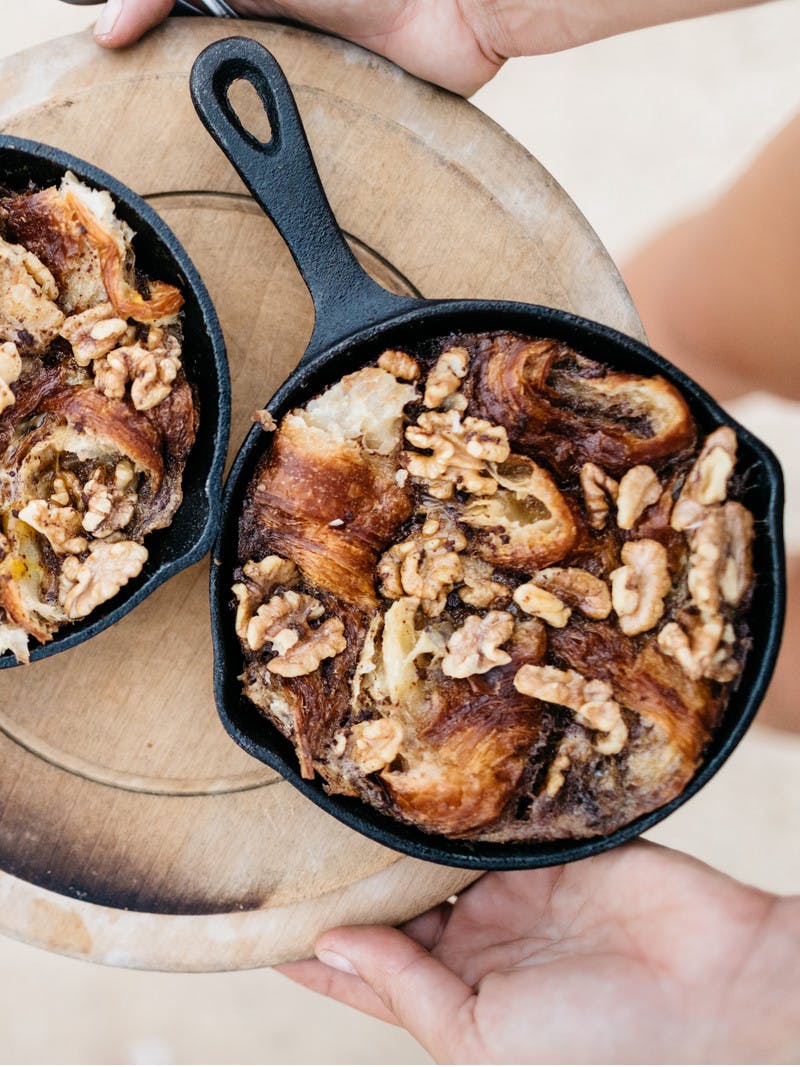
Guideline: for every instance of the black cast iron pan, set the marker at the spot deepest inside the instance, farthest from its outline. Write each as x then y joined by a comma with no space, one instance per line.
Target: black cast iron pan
356,320
160,255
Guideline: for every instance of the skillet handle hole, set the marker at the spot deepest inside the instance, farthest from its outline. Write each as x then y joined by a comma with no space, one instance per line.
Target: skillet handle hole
245,101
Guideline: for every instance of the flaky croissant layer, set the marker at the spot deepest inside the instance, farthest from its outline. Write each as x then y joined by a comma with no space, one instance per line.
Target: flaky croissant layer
505,599
96,415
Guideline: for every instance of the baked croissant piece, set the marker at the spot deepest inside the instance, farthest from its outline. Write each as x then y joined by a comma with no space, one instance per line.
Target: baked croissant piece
505,598
96,415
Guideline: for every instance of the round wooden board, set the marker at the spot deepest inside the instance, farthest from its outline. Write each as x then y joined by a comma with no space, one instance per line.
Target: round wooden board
132,830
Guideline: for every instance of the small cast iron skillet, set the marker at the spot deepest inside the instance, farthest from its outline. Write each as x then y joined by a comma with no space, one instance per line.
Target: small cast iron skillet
355,320
160,255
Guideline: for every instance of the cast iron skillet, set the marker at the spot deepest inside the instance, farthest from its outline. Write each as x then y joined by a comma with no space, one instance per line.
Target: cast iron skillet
161,256
355,320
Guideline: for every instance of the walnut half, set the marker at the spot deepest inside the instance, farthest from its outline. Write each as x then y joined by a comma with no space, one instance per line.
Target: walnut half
590,698
475,647
284,622
85,584
459,451
638,587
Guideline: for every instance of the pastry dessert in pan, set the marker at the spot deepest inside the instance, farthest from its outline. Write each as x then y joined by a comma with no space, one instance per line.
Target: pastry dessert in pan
96,415
495,589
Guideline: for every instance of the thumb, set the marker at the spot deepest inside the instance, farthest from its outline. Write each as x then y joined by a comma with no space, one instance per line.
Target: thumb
424,996
122,22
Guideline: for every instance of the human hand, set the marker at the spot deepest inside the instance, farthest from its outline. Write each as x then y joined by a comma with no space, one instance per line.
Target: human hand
459,44
637,955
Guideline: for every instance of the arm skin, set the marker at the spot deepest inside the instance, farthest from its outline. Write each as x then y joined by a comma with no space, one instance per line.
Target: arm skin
638,955
459,44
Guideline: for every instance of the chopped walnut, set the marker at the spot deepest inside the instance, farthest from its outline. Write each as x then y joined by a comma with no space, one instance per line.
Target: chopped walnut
151,369
578,588
737,571
597,488
446,376
400,364
480,590
543,605
455,402
706,560
702,648
95,333
261,579
284,611
475,647
375,744
460,452
10,362
10,370
7,397
66,490
425,566
265,420
555,772
305,656
85,584
638,489
590,698
60,525
109,506
283,622
707,482
638,587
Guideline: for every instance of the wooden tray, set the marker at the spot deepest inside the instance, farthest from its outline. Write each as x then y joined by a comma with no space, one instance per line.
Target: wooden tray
132,830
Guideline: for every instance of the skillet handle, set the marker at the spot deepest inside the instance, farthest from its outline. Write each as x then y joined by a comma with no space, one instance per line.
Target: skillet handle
283,178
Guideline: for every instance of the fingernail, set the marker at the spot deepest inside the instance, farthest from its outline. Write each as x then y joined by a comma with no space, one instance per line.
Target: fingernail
105,24
333,959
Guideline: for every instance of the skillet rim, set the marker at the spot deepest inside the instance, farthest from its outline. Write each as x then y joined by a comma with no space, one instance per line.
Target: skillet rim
158,235
278,753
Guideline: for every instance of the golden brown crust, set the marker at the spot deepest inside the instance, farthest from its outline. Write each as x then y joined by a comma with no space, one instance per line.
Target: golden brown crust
574,411
330,507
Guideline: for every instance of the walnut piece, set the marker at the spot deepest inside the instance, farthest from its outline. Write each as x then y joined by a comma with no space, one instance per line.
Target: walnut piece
28,315
638,587
480,590
543,605
475,647
597,488
10,370
427,565
707,481
638,489
400,364
446,376
577,588
702,647
284,611
375,744
460,452
110,505
284,623
151,369
261,579
60,525
95,333
85,584
590,698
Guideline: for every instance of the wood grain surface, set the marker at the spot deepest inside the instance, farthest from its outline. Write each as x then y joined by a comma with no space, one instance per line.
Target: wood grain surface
132,830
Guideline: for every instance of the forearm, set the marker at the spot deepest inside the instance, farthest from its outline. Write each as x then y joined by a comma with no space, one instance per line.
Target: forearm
509,28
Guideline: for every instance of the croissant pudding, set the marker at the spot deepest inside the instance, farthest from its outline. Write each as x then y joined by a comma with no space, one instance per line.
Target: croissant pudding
96,415
495,589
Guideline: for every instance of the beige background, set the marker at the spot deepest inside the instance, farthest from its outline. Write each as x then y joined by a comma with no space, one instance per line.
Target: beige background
638,130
